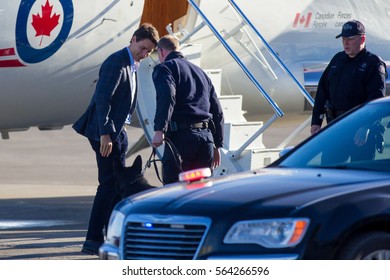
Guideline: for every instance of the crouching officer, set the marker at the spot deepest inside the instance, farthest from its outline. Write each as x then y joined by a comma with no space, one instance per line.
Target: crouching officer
353,76
188,112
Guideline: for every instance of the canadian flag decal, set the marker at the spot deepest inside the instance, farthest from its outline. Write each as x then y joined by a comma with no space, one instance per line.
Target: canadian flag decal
44,24
302,20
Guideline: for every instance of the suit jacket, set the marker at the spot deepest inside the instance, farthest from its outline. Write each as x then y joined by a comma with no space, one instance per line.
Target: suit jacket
112,100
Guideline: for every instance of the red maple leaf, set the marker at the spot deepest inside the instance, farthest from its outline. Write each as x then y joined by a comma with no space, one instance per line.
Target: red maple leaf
44,24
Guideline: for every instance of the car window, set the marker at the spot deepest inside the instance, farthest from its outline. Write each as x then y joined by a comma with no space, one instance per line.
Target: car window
361,140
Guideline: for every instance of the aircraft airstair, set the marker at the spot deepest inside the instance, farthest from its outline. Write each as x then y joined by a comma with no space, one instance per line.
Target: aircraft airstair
243,140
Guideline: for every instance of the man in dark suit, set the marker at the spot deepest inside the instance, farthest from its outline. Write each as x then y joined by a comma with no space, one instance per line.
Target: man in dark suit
103,124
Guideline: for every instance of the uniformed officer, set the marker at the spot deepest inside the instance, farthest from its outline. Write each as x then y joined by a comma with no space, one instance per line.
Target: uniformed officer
188,112
353,76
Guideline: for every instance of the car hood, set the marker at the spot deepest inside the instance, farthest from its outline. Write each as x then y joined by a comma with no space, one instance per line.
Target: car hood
271,187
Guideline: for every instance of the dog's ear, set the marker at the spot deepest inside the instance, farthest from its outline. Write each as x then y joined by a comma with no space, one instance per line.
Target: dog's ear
137,165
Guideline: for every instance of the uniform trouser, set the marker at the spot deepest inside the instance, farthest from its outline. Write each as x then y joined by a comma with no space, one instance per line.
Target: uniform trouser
106,197
195,147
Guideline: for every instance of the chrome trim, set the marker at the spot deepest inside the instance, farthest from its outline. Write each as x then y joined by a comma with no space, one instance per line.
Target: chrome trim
256,257
109,252
171,220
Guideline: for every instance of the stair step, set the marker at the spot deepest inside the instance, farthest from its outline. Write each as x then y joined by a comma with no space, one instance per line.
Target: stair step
232,108
216,78
192,52
257,158
236,134
247,160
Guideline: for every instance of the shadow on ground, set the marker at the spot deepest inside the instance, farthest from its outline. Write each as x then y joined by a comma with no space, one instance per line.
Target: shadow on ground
44,228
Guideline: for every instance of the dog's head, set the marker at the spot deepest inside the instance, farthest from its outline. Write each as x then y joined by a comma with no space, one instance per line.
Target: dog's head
130,180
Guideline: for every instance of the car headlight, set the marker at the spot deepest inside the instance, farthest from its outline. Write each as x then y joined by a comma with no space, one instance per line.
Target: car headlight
272,233
115,227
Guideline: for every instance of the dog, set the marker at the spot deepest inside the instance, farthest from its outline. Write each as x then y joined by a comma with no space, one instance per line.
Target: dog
130,180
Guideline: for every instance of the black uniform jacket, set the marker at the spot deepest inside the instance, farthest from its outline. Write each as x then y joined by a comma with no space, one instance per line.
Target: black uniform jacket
185,94
348,82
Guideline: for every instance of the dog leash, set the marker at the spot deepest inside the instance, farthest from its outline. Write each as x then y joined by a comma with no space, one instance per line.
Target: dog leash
152,158
175,153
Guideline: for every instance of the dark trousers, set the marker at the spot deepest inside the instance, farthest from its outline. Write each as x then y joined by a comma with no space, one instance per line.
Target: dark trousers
195,147
106,197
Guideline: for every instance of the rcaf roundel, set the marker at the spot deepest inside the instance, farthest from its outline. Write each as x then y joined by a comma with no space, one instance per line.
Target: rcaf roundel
42,27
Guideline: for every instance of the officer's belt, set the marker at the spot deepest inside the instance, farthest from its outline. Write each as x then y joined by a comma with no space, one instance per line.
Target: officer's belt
338,113
175,126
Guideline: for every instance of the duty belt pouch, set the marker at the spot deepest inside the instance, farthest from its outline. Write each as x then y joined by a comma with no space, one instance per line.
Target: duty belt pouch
328,112
172,126
211,126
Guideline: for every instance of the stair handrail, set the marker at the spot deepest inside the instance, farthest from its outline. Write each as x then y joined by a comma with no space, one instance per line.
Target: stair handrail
273,104
237,153
262,60
273,53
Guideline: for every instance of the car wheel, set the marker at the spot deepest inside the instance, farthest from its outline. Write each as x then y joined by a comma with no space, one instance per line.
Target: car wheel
367,246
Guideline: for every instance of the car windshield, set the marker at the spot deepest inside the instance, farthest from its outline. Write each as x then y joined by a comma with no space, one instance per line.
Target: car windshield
361,140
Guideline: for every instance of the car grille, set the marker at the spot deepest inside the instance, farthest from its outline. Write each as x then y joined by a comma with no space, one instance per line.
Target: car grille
178,238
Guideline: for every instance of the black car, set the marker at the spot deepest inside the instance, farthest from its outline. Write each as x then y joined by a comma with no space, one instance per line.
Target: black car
328,198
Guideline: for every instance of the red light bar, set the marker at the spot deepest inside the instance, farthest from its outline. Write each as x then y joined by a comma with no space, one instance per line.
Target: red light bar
194,175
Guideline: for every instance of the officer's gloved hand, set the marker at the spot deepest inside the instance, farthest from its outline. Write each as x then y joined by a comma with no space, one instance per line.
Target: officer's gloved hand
379,143
378,129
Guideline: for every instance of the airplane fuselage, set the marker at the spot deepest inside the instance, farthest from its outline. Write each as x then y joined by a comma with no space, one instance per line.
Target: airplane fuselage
51,50
51,53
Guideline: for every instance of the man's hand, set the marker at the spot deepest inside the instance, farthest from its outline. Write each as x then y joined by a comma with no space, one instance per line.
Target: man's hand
314,129
105,145
217,158
158,139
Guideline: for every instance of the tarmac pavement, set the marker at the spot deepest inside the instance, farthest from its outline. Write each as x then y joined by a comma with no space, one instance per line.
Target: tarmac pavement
48,181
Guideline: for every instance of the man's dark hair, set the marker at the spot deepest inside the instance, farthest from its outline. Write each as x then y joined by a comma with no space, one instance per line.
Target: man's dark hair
146,31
